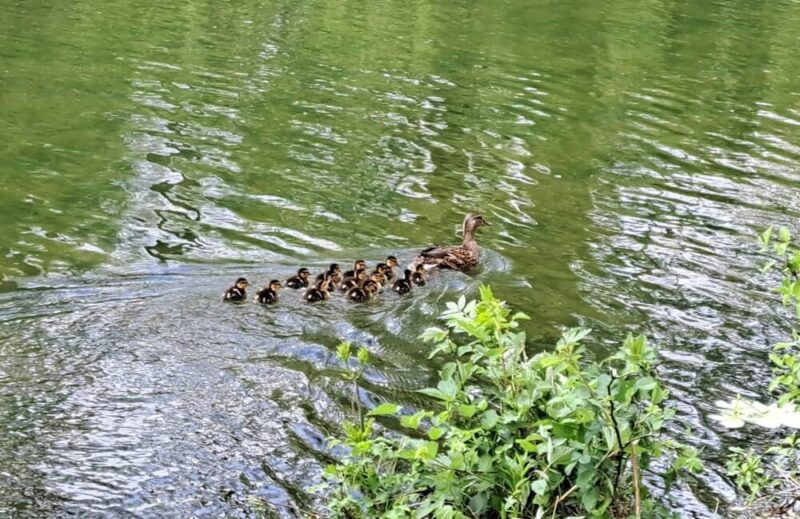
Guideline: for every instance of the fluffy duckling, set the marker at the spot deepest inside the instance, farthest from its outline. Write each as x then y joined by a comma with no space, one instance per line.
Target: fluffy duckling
357,265
363,293
354,281
403,286
319,292
334,273
238,292
379,278
269,294
300,280
418,277
391,263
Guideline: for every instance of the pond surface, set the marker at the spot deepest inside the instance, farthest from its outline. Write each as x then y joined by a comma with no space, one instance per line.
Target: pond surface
152,152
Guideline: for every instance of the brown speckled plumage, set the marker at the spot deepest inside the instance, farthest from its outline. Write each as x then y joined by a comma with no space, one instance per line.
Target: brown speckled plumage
462,257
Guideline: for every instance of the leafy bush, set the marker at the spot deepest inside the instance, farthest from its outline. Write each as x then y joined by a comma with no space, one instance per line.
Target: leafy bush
509,435
771,477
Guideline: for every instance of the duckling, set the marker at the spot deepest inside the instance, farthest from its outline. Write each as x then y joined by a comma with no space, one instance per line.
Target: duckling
418,277
354,281
238,292
379,278
300,280
391,262
364,292
269,294
357,265
333,273
384,269
403,286
319,292
462,257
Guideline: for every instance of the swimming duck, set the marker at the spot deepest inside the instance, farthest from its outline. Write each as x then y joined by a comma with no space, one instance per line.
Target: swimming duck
319,292
333,273
391,263
418,277
238,292
354,281
357,265
269,294
362,293
459,257
379,278
300,280
403,286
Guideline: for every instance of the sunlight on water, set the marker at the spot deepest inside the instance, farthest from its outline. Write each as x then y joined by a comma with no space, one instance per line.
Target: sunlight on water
152,153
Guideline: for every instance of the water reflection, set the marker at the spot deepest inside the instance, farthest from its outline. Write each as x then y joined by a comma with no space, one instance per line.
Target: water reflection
625,167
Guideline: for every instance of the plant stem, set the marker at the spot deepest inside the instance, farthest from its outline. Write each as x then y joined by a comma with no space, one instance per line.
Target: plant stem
619,436
636,495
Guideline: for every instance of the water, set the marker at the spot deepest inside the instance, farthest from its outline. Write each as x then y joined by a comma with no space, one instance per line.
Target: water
151,153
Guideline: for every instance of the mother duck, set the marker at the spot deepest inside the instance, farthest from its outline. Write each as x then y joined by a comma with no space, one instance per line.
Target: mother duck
462,257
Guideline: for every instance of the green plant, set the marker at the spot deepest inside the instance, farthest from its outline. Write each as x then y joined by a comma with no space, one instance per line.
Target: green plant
510,435
747,468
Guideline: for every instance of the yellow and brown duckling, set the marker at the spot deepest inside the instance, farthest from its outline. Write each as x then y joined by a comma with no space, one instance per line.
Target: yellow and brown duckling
391,263
462,257
403,285
379,278
354,281
269,294
364,292
357,265
319,292
300,280
418,276
238,292
334,273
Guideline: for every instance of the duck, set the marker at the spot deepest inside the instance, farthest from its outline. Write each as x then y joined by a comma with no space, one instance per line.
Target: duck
391,263
362,293
269,294
333,274
238,292
300,280
403,285
354,281
462,257
319,292
379,278
357,265
418,276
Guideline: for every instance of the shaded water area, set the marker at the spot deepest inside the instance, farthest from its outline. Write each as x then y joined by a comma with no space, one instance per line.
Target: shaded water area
152,152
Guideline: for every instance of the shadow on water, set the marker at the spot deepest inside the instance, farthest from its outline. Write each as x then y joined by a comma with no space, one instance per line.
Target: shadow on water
626,154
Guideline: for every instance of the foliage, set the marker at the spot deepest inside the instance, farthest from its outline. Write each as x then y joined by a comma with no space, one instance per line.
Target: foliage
507,435
771,478
748,471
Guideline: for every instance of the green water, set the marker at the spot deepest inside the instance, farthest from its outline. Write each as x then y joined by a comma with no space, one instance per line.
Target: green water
152,152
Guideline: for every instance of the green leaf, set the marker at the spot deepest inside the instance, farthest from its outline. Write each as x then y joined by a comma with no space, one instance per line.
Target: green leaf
384,410
645,384
467,411
434,433
539,486
765,237
489,419
784,235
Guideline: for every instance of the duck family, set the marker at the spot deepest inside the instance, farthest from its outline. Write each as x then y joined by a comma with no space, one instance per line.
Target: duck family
360,285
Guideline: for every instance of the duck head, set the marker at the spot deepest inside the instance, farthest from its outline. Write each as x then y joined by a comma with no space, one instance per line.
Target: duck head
303,273
242,283
275,285
391,262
